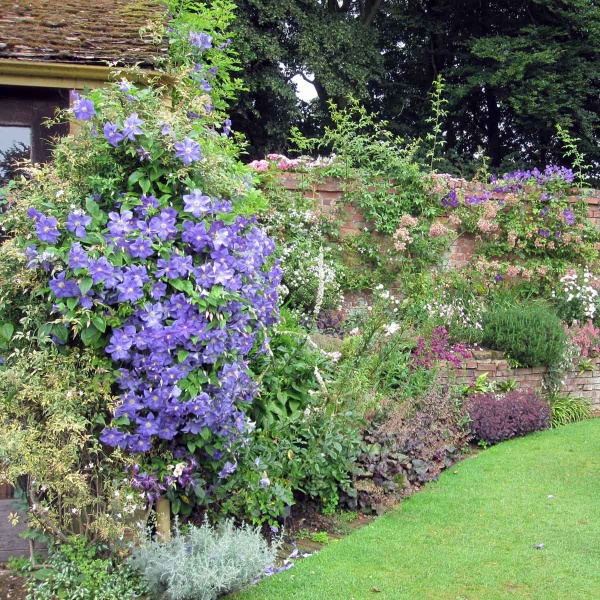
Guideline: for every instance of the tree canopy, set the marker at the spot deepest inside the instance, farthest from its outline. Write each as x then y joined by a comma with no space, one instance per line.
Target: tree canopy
514,71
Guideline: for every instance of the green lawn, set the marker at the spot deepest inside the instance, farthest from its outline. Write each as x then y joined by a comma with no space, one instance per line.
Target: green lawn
472,534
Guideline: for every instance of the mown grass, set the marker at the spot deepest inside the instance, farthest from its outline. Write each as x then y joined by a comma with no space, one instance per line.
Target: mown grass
471,535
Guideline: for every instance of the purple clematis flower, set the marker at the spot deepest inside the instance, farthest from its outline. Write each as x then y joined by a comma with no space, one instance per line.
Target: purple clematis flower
77,221
62,287
113,437
197,203
188,151
569,216
45,229
227,470
83,108
112,135
78,257
200,40
131,127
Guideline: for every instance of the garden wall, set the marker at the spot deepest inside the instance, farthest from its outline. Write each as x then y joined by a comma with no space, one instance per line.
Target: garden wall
585,384
330,192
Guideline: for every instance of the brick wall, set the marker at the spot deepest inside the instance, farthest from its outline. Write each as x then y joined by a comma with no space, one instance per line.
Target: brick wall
586,384
329,192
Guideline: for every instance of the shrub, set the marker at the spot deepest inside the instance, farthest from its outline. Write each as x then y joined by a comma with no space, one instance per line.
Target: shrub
54,403
205,563
76,571
531,334
410,447
496,418
310,456
569,409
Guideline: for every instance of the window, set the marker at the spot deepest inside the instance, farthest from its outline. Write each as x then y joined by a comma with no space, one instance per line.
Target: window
23,111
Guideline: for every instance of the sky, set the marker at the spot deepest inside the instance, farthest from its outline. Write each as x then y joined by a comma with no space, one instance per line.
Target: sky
304,90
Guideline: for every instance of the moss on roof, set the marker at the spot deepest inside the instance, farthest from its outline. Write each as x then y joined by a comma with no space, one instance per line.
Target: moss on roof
82,31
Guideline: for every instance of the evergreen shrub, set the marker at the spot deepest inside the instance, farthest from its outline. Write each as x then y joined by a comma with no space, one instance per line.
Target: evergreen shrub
532,335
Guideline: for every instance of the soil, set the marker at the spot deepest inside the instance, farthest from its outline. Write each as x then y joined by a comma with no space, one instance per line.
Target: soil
306,520
12,587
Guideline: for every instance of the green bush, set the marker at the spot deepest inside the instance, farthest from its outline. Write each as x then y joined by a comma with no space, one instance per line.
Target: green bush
76,571
532,335
309,456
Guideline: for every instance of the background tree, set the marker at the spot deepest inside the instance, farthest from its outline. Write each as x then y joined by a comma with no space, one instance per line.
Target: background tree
514,70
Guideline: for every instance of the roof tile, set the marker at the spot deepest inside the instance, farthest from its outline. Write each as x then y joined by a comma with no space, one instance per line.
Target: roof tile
81,31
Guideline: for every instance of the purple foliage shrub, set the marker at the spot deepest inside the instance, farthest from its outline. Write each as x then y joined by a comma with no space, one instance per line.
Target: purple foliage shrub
496,418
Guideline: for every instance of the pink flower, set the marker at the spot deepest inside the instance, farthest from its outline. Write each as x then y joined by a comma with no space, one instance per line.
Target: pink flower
438,230
259,165
287,163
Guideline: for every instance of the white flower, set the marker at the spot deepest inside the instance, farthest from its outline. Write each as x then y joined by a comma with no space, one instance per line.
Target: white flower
391,328
178,470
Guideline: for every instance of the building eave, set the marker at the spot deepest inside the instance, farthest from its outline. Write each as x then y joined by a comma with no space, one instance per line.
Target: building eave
69,75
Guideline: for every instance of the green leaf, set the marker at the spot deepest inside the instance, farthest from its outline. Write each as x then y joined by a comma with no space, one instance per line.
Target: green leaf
93,208
42,574
90,336
72,302
183,286
135,177
176,506
191,447
86,285
182,355
61,332
99,323
7,331
145,185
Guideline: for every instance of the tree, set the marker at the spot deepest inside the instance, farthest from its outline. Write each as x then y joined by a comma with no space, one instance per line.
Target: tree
514,70
331,43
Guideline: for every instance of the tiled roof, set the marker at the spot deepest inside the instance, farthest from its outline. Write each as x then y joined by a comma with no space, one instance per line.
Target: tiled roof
80,31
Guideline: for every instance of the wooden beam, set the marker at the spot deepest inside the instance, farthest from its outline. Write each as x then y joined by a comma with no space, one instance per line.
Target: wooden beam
67,75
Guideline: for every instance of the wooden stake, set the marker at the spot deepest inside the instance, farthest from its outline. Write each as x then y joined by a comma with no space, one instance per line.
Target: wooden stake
163,520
